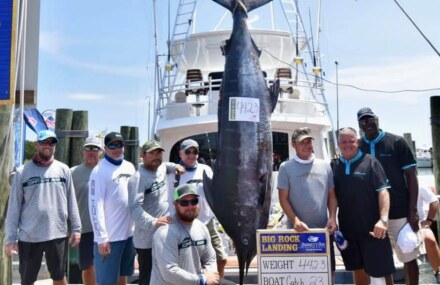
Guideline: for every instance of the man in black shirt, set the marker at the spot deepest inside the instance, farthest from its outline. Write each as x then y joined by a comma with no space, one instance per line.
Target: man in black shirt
399,164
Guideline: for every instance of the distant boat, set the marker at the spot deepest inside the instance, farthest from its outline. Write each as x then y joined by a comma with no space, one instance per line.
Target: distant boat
424,158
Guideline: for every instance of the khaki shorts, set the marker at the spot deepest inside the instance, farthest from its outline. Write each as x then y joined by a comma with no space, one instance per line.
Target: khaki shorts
394,227
216,241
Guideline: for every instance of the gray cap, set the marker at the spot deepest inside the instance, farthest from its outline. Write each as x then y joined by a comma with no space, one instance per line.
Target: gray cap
186,144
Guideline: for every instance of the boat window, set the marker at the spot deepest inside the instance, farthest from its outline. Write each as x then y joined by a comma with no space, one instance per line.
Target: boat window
208,148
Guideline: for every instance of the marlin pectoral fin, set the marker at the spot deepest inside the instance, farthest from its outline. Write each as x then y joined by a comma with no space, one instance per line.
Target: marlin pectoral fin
207,188
274,92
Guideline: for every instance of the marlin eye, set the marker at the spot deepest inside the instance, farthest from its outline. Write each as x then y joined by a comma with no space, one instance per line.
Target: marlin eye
245,241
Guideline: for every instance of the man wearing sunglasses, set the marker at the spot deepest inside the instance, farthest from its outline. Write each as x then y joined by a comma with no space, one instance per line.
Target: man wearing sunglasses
41,205
189,154
92,151
399,164
148,200
110,214
182,250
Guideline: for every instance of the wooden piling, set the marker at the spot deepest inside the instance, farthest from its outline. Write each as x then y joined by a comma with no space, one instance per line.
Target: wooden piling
131,136
6,149
409,141
435,131
80,122
62,126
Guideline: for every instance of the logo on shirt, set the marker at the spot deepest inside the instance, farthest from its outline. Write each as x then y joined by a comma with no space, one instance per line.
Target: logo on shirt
122,176
360,173
41,180
157,185
187,242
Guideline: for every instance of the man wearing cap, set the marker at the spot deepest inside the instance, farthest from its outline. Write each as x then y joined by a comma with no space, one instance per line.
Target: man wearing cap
148,200
399,164
41,205
110,214
305,188
92,151
362,191
182,250
189,154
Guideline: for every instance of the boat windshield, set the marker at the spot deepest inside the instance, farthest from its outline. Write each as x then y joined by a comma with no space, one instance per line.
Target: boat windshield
208,148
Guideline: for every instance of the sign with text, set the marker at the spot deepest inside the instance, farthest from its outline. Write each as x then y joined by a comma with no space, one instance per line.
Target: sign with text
286,257
7,47
244,109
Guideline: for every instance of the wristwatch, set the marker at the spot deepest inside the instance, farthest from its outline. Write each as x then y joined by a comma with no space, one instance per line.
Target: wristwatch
384,219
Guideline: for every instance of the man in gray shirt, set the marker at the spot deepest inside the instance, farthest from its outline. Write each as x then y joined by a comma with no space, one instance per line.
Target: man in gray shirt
147,196
182,250
92,151
41,203
306,188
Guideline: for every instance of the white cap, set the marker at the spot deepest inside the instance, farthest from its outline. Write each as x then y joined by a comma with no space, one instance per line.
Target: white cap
407,240
93,141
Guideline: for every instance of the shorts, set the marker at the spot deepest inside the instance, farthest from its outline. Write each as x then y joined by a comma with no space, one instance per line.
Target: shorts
145,259
216,241
31,255
120,262
373,255
394,226
86,251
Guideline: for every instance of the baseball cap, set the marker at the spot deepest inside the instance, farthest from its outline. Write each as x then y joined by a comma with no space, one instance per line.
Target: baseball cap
407,239
93,141
150,146
364,112
301,134
113,136
183,190
45,134
186,144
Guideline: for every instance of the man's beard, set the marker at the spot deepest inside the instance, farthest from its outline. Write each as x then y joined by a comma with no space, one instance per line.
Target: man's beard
188,216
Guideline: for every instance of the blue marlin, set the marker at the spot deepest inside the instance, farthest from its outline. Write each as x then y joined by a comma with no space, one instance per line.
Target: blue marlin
240,191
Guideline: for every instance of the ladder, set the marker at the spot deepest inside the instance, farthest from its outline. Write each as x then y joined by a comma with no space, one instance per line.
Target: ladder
180,35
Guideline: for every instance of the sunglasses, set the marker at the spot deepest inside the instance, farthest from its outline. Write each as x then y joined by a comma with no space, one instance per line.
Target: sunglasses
91,148
189,151
49,143
185,203
116,146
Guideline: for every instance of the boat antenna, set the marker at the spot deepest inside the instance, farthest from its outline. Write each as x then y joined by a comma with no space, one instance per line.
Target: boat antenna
169,31
156,73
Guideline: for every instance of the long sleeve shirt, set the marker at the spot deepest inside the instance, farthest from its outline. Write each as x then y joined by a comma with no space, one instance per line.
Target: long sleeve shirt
108,201
41,203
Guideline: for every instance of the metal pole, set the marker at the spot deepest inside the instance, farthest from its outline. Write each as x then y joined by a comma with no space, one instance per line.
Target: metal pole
337,95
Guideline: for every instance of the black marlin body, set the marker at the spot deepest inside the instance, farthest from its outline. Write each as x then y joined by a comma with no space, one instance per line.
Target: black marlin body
241,188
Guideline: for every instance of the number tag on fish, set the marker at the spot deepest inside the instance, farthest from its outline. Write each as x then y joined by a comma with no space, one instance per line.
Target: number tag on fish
244,109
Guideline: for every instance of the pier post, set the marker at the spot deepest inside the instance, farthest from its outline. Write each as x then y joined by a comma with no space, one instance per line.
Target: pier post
62,126
410,142
435,132
80,123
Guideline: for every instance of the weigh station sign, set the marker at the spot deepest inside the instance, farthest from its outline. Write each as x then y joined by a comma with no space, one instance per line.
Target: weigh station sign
286,257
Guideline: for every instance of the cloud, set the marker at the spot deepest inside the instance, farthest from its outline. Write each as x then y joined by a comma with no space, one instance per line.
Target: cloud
87,96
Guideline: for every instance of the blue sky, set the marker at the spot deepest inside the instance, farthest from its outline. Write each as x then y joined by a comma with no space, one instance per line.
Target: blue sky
99,56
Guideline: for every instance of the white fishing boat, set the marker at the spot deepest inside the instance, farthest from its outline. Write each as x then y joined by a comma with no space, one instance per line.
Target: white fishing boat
190,80
423,158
